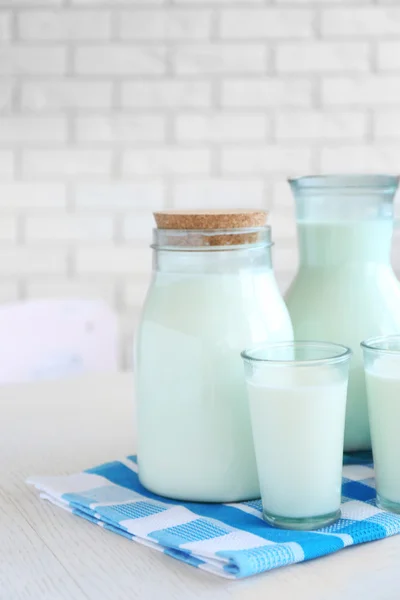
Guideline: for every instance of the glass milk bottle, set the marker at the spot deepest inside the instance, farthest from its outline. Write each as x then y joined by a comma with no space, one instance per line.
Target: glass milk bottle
213,293
345,289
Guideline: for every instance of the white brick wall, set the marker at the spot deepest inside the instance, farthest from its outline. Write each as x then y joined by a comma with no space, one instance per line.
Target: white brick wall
110,109
23,59
166,94
63,163
323,57
166,24
266,92
224,193
120,59
27,130
48,95
68,228
242,24
120,128
166,160
346,22
323,125
219,59
373,91
225,127
72,25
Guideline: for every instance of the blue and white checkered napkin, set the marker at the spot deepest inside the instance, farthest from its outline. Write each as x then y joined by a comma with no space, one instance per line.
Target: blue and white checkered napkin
230,540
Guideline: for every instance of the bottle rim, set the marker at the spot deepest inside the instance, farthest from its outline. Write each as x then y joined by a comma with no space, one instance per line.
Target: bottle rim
376,181
200,240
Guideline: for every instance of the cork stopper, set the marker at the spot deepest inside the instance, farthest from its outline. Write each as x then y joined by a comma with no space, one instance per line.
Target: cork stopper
210,219
202,227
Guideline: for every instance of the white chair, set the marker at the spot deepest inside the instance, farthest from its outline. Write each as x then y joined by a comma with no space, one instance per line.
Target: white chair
46,339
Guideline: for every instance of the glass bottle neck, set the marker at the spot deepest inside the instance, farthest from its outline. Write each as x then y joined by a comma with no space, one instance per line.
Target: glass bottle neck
212,261
342,243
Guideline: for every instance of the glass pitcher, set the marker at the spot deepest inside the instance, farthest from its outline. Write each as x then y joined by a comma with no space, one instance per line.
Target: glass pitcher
213,293
345,289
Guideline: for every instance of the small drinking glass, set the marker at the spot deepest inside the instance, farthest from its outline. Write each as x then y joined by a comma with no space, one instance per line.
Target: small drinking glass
382,376
297,397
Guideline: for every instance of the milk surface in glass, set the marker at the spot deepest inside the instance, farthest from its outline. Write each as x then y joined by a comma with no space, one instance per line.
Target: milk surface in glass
298,418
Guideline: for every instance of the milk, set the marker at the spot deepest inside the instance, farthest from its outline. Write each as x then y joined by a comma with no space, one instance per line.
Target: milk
298,423
194,439
383,386
345,291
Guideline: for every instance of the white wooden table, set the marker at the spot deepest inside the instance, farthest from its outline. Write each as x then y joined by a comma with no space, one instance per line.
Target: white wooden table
47,554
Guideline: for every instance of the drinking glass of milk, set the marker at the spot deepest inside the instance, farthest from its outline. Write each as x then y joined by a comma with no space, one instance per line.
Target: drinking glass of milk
382,375
297,397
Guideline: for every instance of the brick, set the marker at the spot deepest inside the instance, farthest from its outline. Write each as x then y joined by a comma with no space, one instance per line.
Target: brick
284,279
43,25
266,23
396,247
67,288
134,292
8,229
119,196
5,27
6,164
266,92
114,260
220,193
138,227
282,197
120,60
223,127
165,24
361,22
68,228
128,324
218,2
7,90
31,195
285,259
9,292
315,125
266,159
33,60
120,128
166,94
15,129
127,348
388,56
361,158
373,90
43,95
30,3
200,59
30,261
167,161
387,124
283,224
322,57
66,163
316,3
119,2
